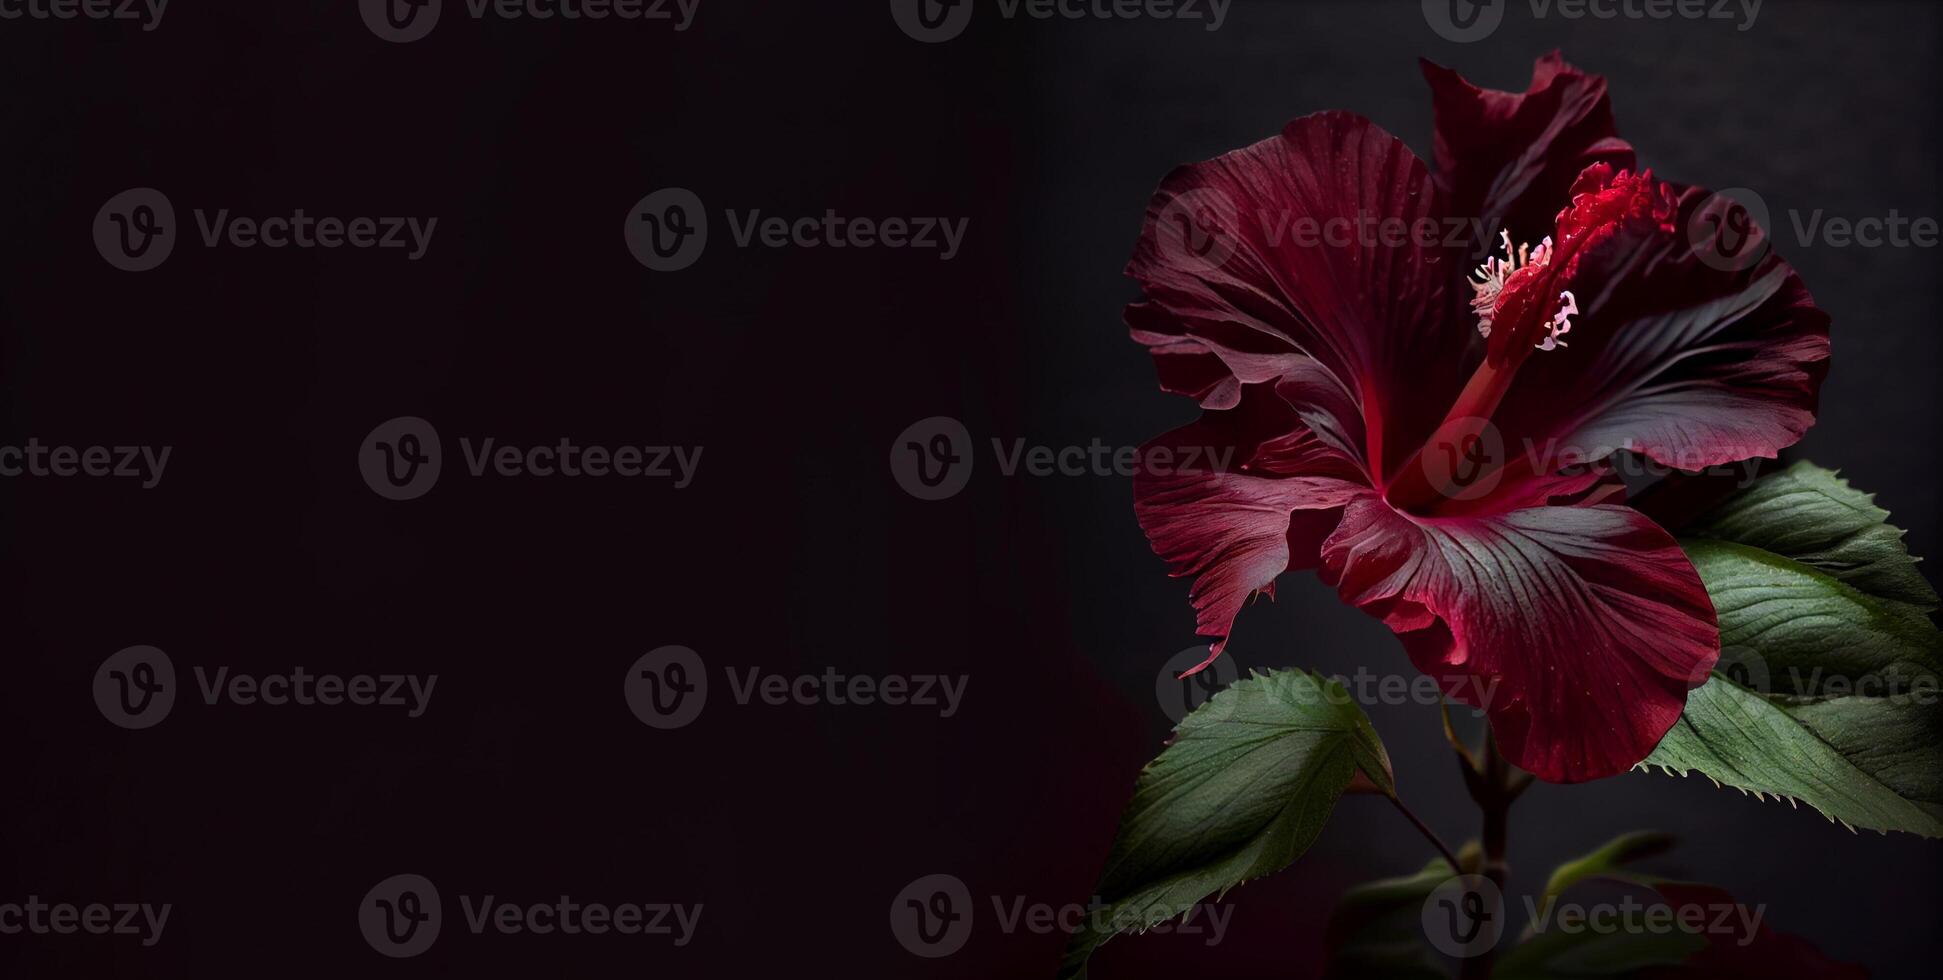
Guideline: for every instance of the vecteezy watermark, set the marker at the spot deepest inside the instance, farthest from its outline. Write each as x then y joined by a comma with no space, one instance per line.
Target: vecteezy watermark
135,688
1464,917
137,231
1747,668
1740,923
933,458
668,230
936,21
1096,458
1200,230
1733,229
39,459
1467,458
667,687
1465,21
147,12
933,917
401,460
403,21
1180,693
403,915
39,917
1368,688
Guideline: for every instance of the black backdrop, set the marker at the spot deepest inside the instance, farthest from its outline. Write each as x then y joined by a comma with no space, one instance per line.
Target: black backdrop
527,320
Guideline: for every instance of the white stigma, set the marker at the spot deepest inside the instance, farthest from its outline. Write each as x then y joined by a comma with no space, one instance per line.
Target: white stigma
1490,281
1561,321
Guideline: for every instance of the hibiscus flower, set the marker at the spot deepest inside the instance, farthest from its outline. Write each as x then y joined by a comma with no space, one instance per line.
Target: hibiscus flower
1433,428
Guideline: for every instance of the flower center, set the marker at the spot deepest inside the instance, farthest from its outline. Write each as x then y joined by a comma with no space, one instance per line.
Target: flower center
1508,289
1523,303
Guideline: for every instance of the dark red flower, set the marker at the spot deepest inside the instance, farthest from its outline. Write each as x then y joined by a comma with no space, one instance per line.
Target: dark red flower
1439,442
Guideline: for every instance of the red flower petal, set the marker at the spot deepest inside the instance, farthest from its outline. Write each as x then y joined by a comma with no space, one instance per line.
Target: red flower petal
1579,630
1509,158
1675,355
1274,258
1253,493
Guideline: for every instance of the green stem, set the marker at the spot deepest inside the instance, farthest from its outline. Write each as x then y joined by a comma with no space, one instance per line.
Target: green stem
1494,788
1429,835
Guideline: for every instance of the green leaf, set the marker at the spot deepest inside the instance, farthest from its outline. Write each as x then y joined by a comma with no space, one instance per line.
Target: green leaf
1375,930
1559,955
1243,789
1828,687
1367,904
1607,860
1555,953
1813,516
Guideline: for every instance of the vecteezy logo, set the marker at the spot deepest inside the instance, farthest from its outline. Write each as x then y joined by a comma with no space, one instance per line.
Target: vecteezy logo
932,21
932,916
667,687
400,21
1728,231
1743,666
1465,459
400,916
1464,917
1179,695
400,459
1197,228
1464,21
932,459
135,231
135,687
667,230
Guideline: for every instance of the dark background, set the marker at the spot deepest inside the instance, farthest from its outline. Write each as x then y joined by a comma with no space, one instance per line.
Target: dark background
794,550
